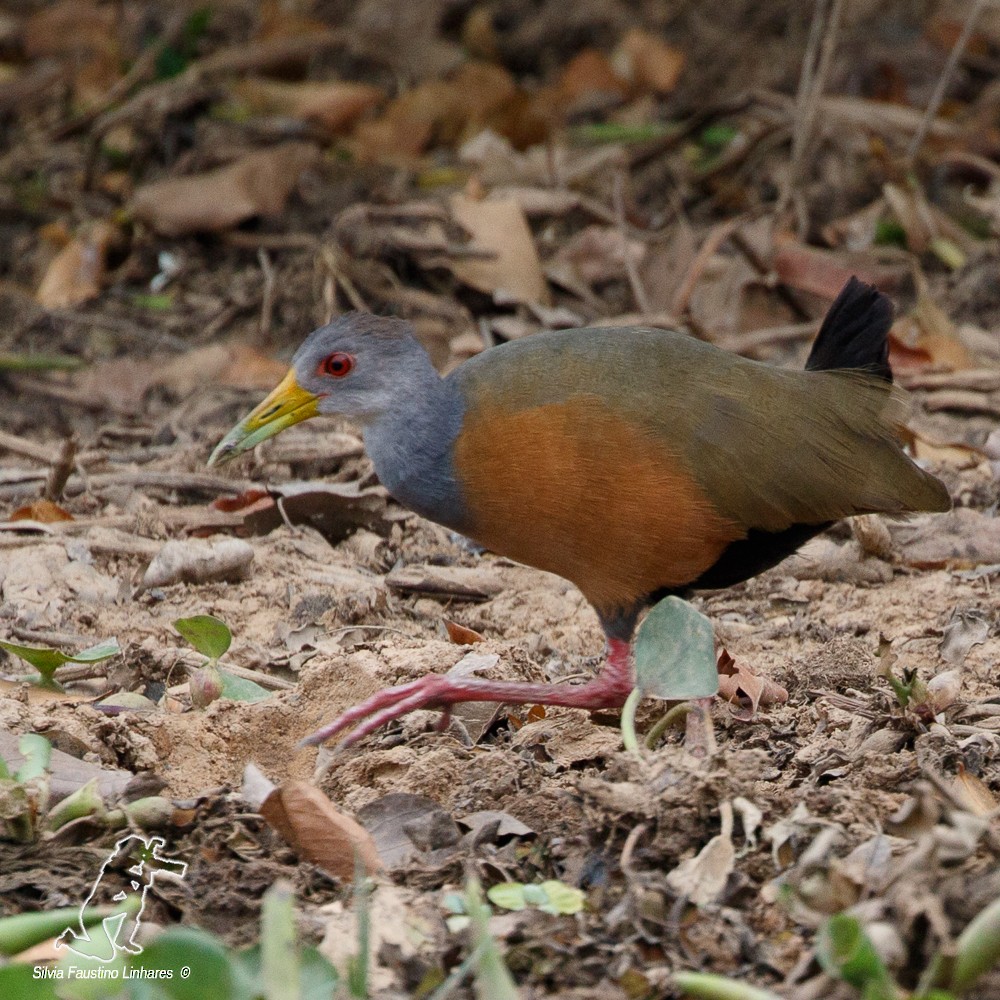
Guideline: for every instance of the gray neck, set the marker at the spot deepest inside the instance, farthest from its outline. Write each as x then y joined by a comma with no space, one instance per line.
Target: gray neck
410,445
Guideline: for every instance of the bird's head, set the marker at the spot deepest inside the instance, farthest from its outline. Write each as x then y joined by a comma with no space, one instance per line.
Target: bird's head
356,366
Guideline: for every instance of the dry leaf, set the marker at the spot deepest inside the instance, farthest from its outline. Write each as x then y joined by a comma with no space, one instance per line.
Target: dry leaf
66,772
825,272
648,62
77,273
926,337
967,627
258,184
319,832
598,254
589,78
961,539
702,878
333,105
736,680
973,793
460,635
403,825
501,228
333,509
443,111
43,511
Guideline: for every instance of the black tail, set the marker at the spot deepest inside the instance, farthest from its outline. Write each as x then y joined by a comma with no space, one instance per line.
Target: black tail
855,333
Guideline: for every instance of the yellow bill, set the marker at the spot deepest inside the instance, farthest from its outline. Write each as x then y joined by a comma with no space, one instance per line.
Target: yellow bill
288,404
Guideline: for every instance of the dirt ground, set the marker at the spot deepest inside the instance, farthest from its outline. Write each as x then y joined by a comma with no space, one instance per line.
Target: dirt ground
835,798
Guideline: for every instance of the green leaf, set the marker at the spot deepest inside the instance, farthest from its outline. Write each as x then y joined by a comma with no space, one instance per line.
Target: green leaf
845,952
39,362
509,895
155,303
280,968
36,751
550,896
17,982
492,978
561,898
319,977
208,634
716,137
46,660
240,689
977,949
24,930
76,970
209,973
706,986
675,653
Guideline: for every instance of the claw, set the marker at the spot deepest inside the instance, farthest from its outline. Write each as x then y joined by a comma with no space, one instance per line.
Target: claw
608,690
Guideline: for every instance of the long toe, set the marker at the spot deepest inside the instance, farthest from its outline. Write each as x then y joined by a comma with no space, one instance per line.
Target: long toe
383,707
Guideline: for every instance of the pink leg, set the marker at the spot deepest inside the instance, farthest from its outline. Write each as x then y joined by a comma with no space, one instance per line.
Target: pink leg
608,690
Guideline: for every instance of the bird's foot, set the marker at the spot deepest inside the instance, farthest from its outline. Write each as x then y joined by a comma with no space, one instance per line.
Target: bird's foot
608,690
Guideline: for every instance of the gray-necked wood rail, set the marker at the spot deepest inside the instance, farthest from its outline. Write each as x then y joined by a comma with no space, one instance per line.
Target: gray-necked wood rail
634,462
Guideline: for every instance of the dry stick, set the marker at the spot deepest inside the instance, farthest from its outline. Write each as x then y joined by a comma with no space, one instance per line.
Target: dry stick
949,67
822,38
25,448
634,279
716,237
267,299
62,468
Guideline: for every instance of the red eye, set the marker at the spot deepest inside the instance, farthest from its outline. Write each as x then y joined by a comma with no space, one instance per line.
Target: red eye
336,365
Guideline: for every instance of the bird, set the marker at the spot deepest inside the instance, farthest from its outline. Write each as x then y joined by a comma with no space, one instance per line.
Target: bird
636,463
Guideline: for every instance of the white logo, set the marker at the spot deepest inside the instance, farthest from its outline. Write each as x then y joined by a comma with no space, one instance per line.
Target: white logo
117,932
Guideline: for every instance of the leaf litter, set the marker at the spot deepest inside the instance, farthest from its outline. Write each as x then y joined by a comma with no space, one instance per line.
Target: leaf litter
588,164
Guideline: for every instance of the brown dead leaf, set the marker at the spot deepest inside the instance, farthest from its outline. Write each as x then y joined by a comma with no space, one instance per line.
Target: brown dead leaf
961,539
258,184
443,112
966,628
956,453
333,105
68,27
501,228
333,509
589,79
926,338
598,254
247,500
648,62
77,273
825,272
702,878
122,384
460,635
44,511
319,832
403,825
738,685
973,793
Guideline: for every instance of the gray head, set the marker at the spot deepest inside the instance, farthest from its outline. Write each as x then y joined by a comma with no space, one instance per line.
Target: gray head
359,366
